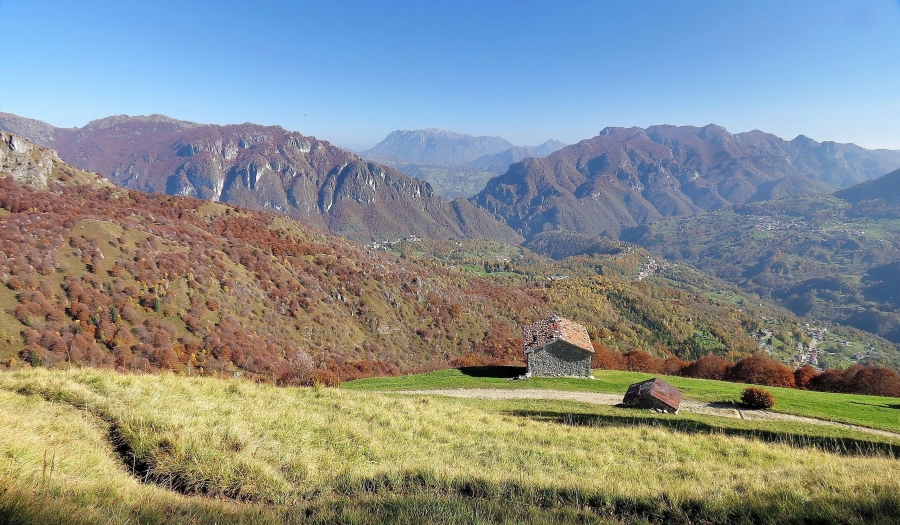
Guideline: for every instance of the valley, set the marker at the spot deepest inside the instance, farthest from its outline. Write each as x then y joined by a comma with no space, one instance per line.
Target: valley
819,256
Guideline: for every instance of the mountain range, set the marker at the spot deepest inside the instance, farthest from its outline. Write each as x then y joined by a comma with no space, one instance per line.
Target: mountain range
436,146
265,168
622,178
457,165
630,176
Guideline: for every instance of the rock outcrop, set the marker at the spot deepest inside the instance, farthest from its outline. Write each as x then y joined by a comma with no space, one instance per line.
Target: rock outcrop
39,167
25,162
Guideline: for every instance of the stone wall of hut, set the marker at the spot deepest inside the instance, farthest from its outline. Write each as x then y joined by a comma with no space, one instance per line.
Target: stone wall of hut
559,359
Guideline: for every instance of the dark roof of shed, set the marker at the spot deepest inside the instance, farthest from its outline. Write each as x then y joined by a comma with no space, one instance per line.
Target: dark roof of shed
657,389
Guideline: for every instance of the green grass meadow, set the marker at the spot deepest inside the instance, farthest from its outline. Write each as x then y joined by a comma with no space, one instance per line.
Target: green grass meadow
867,411
88,446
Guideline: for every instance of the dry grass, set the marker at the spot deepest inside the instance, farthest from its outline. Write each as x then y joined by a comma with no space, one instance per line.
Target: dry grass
330,455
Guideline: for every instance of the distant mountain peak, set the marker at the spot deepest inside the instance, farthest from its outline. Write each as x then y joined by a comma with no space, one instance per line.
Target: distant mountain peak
615,130
118,120
499,162
802,141
436,146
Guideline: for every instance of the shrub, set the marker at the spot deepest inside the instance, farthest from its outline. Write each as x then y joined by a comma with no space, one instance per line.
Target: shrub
322,377
874,381
709,366
804,376
757,398
639,361
15,284
760,370
673,366
831,380
605,358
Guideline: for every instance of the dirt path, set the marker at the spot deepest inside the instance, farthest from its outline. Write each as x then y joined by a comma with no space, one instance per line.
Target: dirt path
688,405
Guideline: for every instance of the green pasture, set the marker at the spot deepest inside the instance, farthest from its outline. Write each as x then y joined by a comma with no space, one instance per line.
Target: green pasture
868,411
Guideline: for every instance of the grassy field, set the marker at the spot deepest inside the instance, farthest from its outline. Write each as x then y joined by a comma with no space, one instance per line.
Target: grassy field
868,411
86,446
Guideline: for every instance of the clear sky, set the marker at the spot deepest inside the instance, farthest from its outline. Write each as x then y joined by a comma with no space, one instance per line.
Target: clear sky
351,72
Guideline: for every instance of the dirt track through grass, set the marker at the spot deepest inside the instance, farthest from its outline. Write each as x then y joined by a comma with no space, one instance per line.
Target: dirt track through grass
687,405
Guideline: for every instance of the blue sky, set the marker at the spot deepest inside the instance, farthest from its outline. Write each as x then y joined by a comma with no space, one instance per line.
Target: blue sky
351,72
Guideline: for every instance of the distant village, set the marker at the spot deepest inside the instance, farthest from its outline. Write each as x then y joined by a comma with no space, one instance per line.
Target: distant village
810,354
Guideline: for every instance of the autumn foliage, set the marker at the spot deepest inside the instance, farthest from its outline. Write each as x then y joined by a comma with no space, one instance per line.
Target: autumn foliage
755,369
803,376
145,282
858,379
760,370
757,398
709,366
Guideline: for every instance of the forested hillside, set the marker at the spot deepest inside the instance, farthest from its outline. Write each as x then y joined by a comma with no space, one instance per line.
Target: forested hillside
121,278
99,275
820,256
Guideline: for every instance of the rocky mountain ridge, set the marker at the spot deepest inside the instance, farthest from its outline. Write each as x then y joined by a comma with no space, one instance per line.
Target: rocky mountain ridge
265,168
630,176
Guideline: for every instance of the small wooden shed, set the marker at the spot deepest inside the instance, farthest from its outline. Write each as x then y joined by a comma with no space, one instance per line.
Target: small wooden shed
653,393
557,347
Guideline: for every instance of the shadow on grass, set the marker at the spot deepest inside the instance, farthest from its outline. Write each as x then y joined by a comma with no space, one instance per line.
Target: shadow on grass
414,497
894,406
423,496
727,404
846,446
499,372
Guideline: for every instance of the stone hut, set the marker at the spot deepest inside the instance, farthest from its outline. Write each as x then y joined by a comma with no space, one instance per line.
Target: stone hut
653,393
557,347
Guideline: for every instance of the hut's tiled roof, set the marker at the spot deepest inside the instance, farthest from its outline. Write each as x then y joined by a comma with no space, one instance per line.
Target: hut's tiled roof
554,327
